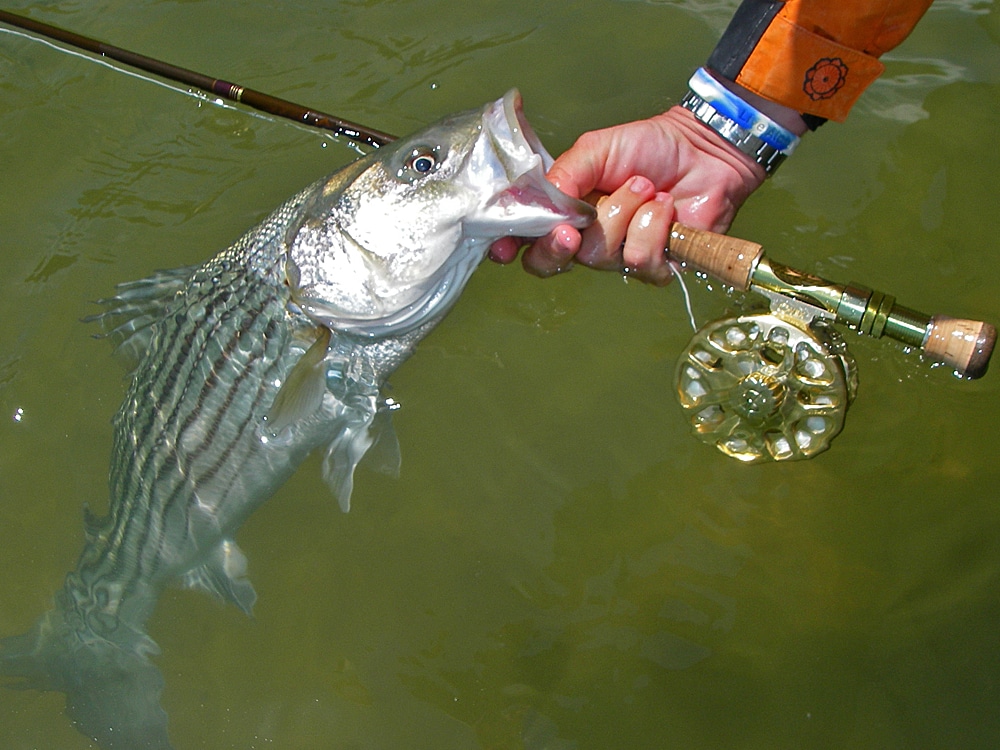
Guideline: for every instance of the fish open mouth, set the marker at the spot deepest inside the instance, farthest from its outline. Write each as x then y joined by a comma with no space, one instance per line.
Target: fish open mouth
512,106
530,205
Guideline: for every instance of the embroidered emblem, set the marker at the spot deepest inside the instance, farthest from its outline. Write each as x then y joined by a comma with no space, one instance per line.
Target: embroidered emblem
825,78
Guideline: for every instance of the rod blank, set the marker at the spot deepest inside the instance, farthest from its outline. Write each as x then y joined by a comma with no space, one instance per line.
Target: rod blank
226,89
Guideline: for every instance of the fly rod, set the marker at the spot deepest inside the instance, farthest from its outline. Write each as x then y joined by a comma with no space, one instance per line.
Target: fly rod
231,91
965,345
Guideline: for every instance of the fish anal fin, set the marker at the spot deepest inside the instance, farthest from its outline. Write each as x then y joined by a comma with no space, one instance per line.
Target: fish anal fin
94,526
224,576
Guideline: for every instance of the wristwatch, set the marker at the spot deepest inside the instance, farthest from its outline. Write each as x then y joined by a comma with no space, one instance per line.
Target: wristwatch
763,153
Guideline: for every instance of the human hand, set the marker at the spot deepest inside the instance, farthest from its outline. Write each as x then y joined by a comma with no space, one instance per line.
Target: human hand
651,172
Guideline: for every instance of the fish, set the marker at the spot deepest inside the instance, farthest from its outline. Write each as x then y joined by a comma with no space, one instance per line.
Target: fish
244,365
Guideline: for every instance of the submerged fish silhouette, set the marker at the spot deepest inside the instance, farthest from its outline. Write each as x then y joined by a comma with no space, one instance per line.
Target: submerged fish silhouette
246,364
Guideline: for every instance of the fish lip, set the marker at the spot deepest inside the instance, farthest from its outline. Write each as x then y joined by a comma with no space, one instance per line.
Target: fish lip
513,109
525,161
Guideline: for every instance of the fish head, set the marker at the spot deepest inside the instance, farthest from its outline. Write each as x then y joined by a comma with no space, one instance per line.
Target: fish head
388,243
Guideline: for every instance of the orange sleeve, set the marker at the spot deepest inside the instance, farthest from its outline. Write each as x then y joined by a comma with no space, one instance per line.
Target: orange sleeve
816,56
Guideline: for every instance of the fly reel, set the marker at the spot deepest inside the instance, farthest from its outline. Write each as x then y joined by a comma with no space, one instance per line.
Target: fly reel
776,386
759,387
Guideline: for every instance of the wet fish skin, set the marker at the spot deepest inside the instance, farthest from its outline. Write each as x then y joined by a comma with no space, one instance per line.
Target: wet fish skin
246,364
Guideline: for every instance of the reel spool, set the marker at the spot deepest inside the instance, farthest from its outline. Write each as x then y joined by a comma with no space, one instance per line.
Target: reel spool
762,388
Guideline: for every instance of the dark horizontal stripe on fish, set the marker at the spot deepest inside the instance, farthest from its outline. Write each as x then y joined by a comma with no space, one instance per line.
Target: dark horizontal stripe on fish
140,511
172,480
175,496
225,456
174,349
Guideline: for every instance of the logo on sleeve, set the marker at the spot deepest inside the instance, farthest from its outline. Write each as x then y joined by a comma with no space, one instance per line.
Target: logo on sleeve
825,78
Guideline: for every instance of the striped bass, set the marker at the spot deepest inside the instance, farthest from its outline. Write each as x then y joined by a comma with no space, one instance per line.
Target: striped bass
274,348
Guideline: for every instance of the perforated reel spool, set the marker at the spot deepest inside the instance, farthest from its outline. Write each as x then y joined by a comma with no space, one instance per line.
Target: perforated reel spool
760,388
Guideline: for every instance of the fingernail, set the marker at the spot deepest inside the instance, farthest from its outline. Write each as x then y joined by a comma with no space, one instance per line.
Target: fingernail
639,184
562,242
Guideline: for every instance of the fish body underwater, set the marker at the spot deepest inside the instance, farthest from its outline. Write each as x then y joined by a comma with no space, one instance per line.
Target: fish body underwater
274,348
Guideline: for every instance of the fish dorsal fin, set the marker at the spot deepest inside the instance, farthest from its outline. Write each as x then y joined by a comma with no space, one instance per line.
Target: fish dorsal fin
302,392
129,315
224,576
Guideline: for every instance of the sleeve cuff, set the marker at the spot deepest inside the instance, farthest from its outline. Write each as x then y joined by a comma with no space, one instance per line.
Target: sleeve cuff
807,72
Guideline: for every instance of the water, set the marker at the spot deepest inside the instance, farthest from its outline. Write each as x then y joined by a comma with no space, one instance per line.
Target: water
560,565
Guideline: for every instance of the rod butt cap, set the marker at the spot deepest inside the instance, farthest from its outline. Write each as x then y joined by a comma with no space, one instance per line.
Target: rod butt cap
965,345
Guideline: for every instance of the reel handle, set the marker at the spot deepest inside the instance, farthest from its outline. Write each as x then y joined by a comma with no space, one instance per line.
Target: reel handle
965,345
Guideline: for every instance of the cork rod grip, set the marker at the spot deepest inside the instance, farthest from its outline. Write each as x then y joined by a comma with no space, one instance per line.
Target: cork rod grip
728,259
965,345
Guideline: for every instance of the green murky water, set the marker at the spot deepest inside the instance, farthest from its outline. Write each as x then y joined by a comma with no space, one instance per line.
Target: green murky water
560,565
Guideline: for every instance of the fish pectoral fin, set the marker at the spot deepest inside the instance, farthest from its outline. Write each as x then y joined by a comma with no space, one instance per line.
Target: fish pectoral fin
302,392
224,576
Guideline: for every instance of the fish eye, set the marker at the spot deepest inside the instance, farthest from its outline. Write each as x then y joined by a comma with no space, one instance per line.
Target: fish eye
422,161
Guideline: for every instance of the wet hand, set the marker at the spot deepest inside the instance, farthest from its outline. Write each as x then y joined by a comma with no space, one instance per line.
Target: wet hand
649,173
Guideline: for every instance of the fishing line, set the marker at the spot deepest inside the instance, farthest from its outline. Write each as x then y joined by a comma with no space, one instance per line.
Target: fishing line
197,94
676,268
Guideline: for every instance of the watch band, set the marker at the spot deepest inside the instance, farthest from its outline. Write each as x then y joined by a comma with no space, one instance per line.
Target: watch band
752,132
730,104
743,139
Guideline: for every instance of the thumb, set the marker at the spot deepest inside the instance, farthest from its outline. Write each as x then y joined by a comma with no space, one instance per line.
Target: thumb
579,170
